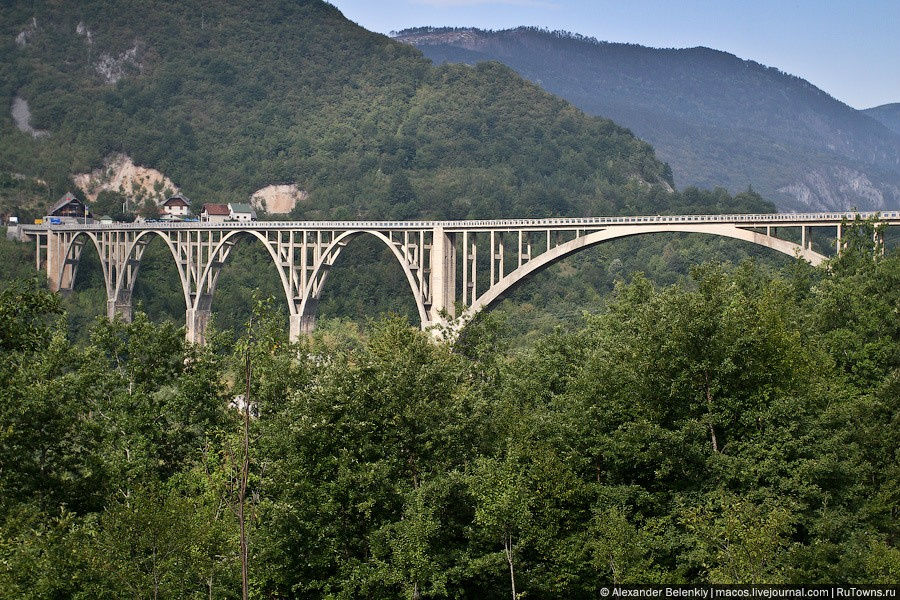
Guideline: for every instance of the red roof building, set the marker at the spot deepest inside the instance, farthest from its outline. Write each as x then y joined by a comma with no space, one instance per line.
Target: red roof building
215,213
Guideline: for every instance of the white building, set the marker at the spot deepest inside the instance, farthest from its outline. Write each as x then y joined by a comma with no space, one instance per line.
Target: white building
175,208
241,212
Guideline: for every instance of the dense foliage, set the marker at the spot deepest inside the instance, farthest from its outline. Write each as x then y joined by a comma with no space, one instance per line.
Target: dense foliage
717,119
742,426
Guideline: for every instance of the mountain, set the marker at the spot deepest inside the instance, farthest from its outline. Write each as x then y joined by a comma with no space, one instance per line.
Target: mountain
887,114
225,98
717,119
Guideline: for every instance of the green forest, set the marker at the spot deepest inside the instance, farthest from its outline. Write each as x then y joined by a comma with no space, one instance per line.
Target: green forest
738,426
680,408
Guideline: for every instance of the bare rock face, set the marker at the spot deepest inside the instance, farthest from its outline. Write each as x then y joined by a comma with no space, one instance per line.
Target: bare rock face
24,36
21,116
82,30
278,199
120,174
113,68
839,188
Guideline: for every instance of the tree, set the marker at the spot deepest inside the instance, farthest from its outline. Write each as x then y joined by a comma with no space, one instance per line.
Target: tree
740,542
503,506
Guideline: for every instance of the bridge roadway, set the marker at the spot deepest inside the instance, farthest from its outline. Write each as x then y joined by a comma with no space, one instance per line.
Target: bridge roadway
454,268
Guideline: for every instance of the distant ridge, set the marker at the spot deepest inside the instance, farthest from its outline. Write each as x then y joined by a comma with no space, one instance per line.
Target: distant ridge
887,114
717,119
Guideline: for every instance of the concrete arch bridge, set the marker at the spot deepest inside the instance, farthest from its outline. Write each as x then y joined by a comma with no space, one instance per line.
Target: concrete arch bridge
453,268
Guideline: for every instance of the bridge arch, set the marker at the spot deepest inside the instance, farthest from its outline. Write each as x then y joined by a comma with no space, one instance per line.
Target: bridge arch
70,260
556,254
206,279
140,240
316,281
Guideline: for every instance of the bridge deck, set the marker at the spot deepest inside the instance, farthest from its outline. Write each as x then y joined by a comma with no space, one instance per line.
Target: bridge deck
742,220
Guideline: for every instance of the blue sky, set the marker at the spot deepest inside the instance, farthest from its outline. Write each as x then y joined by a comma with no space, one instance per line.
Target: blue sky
850,49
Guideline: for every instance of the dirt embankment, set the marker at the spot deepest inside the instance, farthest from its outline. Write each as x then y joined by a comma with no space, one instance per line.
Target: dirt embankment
120,174
278,199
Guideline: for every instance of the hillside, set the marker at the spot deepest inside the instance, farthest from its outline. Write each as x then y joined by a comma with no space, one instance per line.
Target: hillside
226,99
887,114
717,119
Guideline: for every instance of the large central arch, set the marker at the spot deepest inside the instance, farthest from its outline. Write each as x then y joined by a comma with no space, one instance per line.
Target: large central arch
592,239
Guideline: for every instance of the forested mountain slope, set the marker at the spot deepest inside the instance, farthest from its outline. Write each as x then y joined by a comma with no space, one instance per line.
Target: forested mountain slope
226,98
717,119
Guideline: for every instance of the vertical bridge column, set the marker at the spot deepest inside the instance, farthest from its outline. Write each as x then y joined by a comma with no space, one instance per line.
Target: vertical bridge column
443,276
54,260
122,253
201,255
120,307
304,266
63,254
197,318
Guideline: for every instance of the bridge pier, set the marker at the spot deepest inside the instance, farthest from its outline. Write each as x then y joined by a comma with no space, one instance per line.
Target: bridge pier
197,318
62,259
301,325
443,276
120,307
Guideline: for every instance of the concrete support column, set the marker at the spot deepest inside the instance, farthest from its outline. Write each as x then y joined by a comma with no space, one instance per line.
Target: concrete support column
54,260
120,307
301,325
196,319
443,274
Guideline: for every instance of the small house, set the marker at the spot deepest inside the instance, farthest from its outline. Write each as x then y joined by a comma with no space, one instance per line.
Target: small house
175,208
69,209
215,213
241,212
105,220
